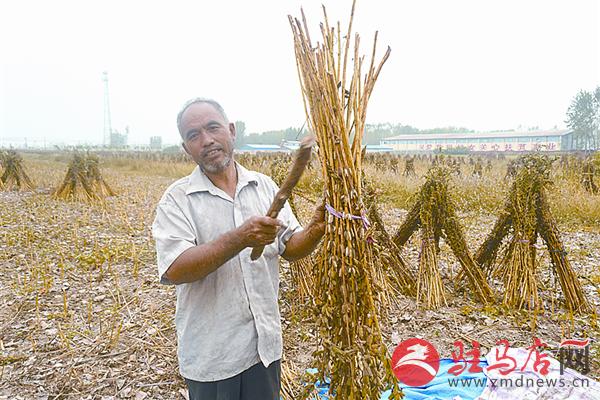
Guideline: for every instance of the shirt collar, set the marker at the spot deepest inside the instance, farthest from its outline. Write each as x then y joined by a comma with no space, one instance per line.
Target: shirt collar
199,182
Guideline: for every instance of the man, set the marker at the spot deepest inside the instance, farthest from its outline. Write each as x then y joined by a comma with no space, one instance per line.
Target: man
227,318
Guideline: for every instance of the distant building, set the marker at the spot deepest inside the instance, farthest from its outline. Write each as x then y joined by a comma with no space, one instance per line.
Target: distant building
551,140
378,148
118,140
155,142
273,148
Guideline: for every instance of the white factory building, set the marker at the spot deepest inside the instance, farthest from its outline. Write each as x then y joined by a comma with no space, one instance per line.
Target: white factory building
550,140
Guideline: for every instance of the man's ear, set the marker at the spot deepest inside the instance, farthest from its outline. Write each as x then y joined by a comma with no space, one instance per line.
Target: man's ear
185,148
232,130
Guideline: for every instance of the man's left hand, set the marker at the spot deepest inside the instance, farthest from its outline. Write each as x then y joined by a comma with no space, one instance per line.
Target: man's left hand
317,223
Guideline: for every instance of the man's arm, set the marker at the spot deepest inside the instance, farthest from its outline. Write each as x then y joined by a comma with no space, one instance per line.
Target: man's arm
302,243
197,262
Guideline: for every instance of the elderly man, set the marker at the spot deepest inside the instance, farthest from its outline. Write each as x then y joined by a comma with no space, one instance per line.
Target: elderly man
206,224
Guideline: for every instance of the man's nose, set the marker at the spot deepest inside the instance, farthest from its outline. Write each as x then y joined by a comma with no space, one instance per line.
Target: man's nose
207,139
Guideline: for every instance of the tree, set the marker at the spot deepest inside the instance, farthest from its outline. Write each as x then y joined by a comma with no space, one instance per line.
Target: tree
582,118
240,129
291,134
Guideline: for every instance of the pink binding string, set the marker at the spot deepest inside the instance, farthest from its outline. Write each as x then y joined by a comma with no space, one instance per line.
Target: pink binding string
343,215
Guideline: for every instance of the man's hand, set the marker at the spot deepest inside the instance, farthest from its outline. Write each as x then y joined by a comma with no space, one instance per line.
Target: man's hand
197,262
259,231
317,223
304,242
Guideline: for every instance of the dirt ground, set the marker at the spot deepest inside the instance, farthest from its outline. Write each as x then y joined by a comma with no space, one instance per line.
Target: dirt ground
83,316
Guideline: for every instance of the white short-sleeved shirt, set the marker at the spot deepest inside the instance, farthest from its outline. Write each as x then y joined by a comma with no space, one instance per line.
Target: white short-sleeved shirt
229,320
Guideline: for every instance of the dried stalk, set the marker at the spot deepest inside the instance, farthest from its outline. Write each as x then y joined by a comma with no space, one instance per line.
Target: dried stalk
396,276
571,287
409,226
289,382
351,350
430,288
302,274
488,251
475,276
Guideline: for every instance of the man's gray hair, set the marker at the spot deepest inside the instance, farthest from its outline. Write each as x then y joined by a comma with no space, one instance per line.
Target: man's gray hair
200,100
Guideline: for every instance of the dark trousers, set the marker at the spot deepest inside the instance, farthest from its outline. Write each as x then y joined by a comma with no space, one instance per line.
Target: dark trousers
255,383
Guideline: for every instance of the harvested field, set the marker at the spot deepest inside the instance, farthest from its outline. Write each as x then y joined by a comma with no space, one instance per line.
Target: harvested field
84,317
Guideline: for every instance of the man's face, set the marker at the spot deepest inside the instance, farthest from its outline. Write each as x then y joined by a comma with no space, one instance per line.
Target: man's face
207,137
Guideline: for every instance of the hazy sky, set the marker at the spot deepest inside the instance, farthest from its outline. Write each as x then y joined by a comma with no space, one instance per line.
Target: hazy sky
481,64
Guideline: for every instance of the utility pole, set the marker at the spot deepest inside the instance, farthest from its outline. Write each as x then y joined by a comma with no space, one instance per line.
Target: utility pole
107,122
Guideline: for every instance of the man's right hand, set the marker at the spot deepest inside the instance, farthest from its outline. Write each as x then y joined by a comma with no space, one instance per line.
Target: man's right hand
197,262
259,231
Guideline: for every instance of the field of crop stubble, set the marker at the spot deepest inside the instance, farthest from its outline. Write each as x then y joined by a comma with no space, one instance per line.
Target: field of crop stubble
83,316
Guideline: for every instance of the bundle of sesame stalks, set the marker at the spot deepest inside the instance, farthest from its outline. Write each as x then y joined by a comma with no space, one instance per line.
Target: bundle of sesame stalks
351,351
83,180
95,177
302,274
518,268
302,277
574,296
434,213
527,215
430,288
13,176
488,251
394,276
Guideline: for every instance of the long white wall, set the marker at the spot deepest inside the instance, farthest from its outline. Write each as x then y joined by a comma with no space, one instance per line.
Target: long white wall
477,146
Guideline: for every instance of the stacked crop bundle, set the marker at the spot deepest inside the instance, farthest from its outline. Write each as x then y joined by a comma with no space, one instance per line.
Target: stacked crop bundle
14,176
430,288
95,177
394,275
351,352
527,215
434,213
518,269
83,180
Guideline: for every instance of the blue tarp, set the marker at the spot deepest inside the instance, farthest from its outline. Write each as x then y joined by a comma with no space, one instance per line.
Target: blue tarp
468,385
